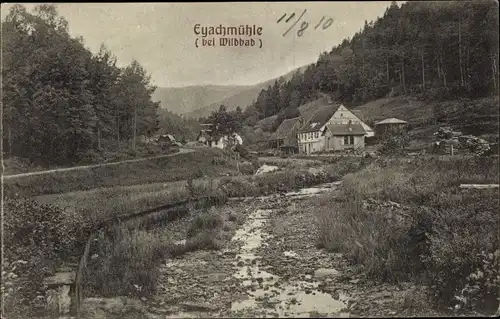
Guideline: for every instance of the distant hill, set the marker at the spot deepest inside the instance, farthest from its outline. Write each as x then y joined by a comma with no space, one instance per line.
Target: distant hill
182,100
242,98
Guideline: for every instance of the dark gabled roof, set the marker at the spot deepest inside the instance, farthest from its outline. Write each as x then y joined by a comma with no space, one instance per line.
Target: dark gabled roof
284,129
319,118
345,129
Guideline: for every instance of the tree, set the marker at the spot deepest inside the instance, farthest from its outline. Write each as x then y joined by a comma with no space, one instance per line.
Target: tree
138,115
449,49
394,142
59,100
104,78
224,123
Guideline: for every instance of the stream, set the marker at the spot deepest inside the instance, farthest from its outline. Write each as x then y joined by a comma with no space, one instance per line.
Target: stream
267,294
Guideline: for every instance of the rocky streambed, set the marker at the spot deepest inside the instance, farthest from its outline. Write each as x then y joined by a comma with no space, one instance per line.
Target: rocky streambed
269,294
270,267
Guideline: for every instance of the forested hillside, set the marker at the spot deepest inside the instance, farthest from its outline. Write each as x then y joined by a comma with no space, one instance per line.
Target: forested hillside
60,101
183,129
433,50
189,99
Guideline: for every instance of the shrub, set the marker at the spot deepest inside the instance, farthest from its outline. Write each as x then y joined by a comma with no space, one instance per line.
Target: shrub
443,236
370,238
395,142
125,262
462,262
91,157
37,238
207,221
237,186
243,151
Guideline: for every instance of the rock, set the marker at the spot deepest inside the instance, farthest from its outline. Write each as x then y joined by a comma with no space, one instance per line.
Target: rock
59,300
60,279
290,254
266,169
191,306
159,311
325,272
354,281
103,307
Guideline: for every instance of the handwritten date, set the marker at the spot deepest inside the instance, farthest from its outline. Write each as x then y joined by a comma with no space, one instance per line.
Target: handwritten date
325,24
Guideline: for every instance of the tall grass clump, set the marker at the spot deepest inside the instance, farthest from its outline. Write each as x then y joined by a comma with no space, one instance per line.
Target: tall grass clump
406,219
126,262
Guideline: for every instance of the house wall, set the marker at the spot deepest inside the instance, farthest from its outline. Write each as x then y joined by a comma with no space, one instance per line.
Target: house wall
336,143
224,141
311,142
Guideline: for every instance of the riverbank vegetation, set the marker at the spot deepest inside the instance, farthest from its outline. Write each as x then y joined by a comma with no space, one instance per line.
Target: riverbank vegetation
408,220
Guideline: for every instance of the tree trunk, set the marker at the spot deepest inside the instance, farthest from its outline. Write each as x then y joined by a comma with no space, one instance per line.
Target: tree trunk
438,68
493,71
467,64
460,53
423,71
387,68
134,127
118,130
98,137
9,139
443,72
403,73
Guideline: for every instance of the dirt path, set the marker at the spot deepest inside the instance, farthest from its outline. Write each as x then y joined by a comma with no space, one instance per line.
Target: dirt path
57,170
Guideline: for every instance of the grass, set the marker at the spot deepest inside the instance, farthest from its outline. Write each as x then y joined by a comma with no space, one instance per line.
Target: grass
100,204
127,261
167,169
114,153
434,233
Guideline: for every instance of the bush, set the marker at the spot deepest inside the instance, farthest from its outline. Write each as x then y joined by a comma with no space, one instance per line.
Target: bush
37,238
125,262
242,151
394,143
91,157
205,222
368,237
29,225
237,186
463,258
441,235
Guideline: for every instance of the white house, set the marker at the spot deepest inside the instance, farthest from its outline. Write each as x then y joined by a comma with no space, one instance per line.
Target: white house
311,138
205,137
227,140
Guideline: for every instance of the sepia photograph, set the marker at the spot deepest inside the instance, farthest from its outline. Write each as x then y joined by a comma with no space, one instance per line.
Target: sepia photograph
250,160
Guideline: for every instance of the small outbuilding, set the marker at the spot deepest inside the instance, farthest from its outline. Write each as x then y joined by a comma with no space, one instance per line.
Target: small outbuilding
390,125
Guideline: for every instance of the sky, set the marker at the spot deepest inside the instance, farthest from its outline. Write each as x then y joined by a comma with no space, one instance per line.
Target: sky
161,36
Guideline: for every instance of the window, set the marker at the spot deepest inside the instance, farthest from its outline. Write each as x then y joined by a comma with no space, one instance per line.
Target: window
341,114
349,140
316,134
